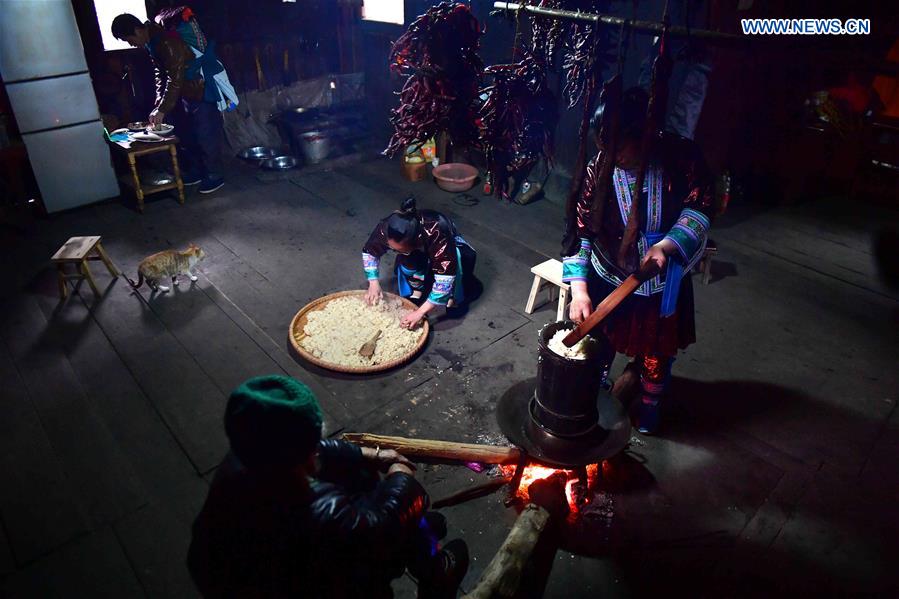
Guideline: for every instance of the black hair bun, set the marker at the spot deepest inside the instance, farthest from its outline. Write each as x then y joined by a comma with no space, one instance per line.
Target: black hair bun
408,206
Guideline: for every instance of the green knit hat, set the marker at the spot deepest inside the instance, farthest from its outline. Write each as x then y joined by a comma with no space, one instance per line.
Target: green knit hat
273,421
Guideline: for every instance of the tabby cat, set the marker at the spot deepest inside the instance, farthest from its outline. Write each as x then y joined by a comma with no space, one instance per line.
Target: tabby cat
169,263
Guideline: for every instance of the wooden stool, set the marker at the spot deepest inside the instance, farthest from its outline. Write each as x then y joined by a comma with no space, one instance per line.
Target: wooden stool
78,250
549,273
705,263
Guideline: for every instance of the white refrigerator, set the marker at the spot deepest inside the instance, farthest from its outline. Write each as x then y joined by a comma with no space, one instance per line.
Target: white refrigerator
45,73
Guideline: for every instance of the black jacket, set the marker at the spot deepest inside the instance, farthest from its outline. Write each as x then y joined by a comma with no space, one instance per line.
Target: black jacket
341,534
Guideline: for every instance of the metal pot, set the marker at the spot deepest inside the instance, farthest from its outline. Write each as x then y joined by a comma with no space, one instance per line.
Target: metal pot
315,146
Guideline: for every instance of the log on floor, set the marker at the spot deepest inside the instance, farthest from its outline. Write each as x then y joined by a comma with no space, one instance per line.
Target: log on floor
502,576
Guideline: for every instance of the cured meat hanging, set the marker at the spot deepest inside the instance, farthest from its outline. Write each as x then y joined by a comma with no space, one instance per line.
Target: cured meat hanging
517,121
438,55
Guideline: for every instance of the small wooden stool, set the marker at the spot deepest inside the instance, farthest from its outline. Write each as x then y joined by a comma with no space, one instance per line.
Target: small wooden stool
548,273
78,250
705,263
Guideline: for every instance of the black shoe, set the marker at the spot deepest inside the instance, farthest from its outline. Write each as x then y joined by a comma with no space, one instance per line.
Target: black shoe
211,184
449,568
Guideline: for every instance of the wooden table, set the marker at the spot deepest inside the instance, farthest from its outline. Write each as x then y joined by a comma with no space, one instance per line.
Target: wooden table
131,149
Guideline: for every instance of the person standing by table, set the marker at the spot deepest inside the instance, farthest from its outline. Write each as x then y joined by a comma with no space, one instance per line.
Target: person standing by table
433,258
674,215
183,96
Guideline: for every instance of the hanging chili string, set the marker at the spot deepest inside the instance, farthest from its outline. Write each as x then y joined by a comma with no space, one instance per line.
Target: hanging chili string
438,56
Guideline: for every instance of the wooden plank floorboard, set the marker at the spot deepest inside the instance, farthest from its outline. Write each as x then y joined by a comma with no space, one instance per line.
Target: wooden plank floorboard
185,396
141,434
35,496
91,566
226,325
156,539
221,349
335,411
103,481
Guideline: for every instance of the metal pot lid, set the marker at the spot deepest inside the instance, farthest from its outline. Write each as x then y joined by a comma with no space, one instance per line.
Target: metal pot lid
608,438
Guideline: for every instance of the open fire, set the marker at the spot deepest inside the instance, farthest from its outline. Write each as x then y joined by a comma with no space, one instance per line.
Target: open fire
535,472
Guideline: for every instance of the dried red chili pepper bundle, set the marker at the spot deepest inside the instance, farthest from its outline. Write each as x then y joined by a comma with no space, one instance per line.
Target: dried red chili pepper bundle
518,120
438,54
585,45
545,33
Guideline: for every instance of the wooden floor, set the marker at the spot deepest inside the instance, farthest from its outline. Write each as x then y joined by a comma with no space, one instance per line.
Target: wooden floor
782,443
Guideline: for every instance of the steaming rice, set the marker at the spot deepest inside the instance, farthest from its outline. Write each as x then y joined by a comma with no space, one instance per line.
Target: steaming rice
579,351
335,333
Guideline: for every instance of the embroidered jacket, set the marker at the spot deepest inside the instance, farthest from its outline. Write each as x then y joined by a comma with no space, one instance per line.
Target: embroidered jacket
437,240
676,204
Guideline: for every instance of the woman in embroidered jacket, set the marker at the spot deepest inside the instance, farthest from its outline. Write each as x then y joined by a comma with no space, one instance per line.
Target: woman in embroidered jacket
673,218
432,255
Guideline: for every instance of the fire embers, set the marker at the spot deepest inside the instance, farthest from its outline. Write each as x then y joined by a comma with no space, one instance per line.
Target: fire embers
580,484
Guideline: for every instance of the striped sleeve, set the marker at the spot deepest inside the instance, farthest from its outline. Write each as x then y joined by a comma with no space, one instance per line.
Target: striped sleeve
371,266
574,268
689,233
442,289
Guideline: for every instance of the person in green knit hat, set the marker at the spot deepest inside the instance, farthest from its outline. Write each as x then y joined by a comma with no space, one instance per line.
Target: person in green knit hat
291,515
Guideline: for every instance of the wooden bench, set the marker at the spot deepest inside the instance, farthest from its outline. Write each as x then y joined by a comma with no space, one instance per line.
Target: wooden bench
548,274
78,251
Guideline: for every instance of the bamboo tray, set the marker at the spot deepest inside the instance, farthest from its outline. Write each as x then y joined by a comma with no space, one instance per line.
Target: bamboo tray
299,323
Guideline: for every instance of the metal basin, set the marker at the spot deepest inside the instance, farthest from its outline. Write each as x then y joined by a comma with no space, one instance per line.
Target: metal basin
257,153
280,163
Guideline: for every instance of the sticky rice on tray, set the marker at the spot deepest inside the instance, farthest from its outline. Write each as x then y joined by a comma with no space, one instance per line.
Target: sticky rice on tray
336,332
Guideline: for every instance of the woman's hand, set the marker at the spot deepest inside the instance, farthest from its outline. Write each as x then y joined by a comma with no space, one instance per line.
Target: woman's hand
374,294
659,253
581,306
411,320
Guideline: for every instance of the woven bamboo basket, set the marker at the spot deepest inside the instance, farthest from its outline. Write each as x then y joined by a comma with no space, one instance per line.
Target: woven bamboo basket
298,324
